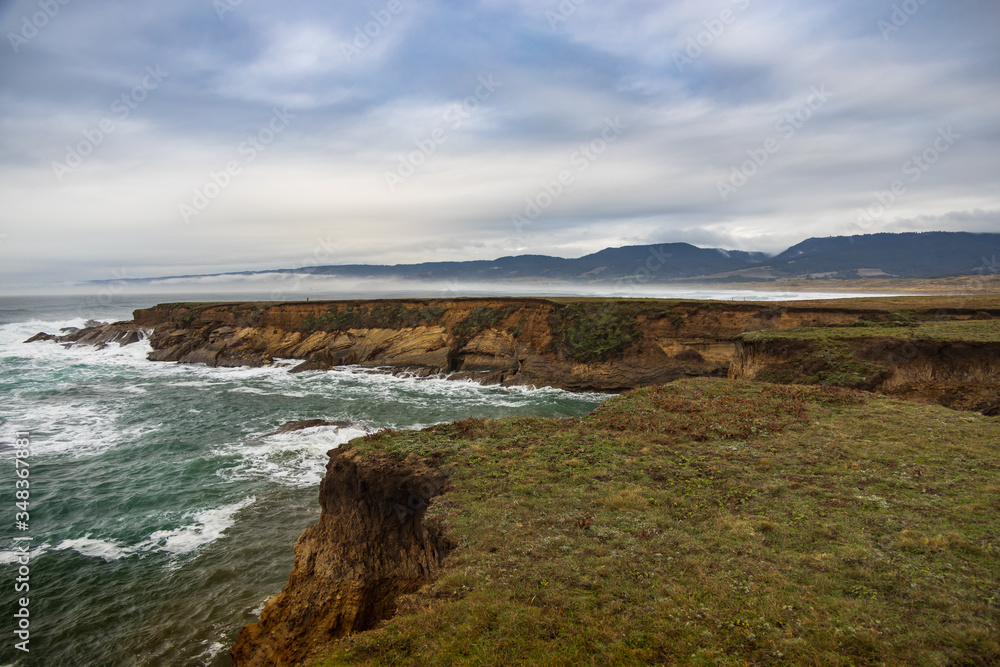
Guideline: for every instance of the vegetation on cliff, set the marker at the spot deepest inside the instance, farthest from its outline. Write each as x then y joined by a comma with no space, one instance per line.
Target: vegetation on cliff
981,330
372,315
595,332
707,522
951,362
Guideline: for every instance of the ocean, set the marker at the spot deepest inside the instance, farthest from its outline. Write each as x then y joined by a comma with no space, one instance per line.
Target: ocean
158,518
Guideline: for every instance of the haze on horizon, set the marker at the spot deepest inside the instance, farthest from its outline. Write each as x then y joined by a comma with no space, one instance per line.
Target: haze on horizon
207,136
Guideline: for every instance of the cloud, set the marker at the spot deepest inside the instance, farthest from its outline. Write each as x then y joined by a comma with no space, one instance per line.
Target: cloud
701,87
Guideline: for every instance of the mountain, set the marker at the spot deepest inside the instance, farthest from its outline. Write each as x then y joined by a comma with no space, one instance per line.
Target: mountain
907,255
668,261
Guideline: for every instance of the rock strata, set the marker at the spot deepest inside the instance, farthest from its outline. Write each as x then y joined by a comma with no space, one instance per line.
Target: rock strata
371,545
98,334
606,346
961,375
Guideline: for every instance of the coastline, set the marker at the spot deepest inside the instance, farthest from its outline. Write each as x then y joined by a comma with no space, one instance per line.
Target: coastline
479,339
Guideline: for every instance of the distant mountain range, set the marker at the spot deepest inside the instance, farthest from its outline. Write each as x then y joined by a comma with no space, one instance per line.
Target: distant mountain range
907,255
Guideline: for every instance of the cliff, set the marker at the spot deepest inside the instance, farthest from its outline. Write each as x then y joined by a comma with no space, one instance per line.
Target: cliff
371,545
581,345
604,345
663,475
955,364
736,522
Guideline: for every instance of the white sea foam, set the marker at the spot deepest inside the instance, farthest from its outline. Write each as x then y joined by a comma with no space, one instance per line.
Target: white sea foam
206,527
297,458
11,557
109,550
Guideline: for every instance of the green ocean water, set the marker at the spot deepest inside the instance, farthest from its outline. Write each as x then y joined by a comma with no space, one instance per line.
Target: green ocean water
160,519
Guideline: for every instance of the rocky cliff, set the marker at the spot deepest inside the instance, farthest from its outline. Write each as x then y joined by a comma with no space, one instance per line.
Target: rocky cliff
959,374
580,345
372,543
370,546
584,345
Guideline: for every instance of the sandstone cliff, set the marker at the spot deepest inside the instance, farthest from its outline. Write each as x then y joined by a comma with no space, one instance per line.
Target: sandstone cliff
959,374
587,345
579,345
370,546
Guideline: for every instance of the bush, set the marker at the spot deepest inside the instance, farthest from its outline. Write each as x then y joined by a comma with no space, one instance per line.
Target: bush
592,333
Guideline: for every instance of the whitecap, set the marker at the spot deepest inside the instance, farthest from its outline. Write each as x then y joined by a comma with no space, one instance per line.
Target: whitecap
208,526
297,458
11,557
109,550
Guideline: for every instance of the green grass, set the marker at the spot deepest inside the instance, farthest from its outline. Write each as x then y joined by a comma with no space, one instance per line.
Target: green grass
594,332
708,522
980,331
372,315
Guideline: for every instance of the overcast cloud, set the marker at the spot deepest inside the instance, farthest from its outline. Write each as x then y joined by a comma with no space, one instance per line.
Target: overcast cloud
152,138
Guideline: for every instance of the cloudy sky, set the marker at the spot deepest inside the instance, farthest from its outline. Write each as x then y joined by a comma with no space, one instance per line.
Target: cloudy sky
152,138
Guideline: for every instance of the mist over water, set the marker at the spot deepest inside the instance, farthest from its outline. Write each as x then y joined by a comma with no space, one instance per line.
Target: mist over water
113,295
161,518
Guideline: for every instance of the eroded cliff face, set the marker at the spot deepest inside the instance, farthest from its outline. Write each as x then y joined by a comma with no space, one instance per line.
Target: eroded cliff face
601,346
370,546
961,375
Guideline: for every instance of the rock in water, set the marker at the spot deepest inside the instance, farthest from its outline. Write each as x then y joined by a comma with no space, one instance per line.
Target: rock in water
309,423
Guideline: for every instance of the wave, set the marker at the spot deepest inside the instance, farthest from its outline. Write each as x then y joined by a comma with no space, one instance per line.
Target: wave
206,527
296,459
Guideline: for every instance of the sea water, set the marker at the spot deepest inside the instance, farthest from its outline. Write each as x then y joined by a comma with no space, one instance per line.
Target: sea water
160,519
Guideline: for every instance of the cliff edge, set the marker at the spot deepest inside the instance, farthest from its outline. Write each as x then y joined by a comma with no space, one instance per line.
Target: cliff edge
370,545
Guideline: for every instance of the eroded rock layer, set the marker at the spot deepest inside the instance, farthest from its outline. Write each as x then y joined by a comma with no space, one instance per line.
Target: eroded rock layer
370,546
583,346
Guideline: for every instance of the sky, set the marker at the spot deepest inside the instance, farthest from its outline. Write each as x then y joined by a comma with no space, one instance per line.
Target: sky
147,139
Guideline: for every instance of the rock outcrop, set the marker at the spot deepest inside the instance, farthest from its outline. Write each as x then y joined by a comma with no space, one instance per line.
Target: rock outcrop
302,424
583,345
962,375
604,345
370,546
98,334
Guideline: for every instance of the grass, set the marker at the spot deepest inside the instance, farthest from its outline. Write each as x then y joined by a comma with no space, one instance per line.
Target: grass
598,332
980,331
708,522
372,315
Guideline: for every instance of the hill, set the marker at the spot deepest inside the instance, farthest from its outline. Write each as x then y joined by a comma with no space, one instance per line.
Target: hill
909,255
